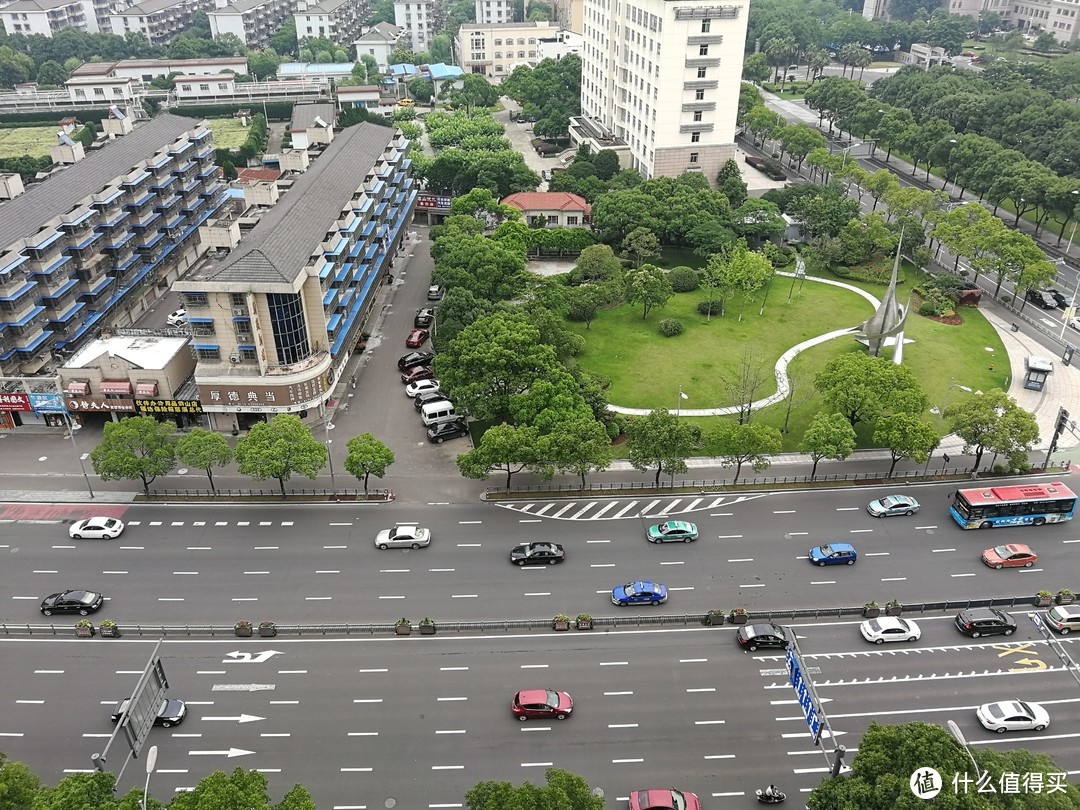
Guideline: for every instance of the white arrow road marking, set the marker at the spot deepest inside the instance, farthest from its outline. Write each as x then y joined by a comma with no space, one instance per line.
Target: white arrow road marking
240,718
237,657
232,752
242,687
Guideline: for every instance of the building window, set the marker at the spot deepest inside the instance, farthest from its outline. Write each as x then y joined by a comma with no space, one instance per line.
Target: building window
204,88
498,54
521,54
699,94
237,300
693,157
703,50
701,73
209,353
532,54
570,220
498,42
705,26
695,137
697,115
248,353
289,327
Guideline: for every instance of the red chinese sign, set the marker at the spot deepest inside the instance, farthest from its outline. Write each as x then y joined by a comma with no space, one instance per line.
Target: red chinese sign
15,402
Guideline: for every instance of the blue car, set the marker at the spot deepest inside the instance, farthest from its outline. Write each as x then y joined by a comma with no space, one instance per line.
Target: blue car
833,554
639,593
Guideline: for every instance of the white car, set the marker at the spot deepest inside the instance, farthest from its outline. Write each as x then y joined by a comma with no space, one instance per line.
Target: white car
1013,715
420,386
96,528
890,628
1063,618
403,537
178,318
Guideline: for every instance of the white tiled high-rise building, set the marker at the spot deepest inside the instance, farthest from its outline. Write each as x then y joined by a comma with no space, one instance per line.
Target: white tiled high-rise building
418,18
660,82
489,12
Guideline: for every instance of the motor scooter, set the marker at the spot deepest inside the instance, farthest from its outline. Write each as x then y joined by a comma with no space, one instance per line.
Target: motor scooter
773,797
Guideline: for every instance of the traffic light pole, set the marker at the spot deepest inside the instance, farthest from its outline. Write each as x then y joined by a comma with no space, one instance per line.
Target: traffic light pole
1060,426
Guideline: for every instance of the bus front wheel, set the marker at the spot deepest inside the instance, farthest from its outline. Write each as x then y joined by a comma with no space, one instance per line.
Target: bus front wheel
1039,521
986,524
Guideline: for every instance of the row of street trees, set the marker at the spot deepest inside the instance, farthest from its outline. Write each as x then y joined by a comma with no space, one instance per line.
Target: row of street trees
140,448
971,160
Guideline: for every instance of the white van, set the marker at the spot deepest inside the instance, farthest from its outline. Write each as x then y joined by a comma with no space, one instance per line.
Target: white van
432,413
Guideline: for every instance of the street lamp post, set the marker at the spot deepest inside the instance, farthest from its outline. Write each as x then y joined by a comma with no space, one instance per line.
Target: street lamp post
1073,232
948,391
151,764
1070,310
327,426
678,405
72,427
958,735
847,150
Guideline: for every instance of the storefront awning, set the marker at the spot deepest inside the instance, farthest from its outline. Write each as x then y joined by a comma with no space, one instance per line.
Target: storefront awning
146,389
78,388
116,387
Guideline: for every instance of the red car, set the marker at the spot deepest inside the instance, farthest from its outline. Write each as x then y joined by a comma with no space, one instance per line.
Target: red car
542,703
417,338
967,53
666,799
411,375
1013,555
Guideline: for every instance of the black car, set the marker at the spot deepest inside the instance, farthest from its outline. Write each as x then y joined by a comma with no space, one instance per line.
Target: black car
425,397
752,636
537,553
81,602
413,359
423,318
1063,301
442,431
977,622
1042,298
170,712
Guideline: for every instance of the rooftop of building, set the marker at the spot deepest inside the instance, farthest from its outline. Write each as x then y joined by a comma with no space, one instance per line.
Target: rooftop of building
239,6
439,71
277,250
25,6
544,26
147,7
305,115
287,69
204,77
404,70
257,175
105,68
150,352
23,216
382,32
354,89
99,79
547,201
324,6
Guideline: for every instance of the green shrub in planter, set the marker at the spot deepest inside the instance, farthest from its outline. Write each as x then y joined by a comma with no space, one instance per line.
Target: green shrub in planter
670,327
684,279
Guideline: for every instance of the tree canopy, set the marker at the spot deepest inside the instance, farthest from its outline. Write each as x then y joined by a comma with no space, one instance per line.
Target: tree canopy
278,449
139,447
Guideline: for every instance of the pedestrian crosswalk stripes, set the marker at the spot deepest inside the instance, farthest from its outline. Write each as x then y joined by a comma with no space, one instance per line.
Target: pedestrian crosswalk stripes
623,509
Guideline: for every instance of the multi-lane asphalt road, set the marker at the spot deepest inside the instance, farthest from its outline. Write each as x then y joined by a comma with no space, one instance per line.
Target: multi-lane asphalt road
414,722
307,564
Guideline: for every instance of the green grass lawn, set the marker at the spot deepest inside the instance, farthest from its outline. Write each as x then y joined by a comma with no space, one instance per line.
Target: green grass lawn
229,133
33,141
646,368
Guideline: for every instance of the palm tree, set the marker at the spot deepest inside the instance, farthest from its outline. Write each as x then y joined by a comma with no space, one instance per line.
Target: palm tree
864,60
817,60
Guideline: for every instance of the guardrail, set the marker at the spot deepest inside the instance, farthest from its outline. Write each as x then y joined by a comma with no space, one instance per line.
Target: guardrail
374,495
746,483
507,625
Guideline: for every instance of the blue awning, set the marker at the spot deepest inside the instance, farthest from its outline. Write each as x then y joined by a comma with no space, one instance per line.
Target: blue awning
112,223
118,245
34,312
80,219
86,242
13,265
328,299
101,286
60,292
207,347
104,201
333,323
139,203
241,319
71,313
36,344
28,287
47,241
202,320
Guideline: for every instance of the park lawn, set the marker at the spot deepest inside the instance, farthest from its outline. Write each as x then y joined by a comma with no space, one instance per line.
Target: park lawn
32,141
646,368
627,350
229,133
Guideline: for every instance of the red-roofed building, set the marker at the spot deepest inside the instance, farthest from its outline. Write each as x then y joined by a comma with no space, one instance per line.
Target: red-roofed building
257,175
551,209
